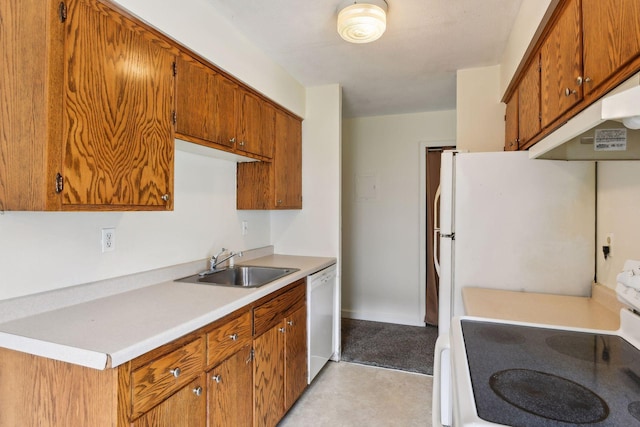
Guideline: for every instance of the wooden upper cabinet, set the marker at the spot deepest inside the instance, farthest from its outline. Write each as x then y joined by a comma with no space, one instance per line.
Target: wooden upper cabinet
196,101
256,125
287,162
227,102
276,184
611,38
118,132
511,134
89,99
529,103
561,62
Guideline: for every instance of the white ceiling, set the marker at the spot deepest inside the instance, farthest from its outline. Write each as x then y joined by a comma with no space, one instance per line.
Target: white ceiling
411,68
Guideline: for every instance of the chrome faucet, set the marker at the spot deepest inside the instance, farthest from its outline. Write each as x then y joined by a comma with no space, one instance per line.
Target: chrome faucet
214,261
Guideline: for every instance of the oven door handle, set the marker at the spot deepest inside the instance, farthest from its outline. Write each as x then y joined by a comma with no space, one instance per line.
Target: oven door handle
442,408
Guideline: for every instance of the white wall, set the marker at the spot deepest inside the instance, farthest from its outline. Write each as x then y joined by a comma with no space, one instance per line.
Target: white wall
618,208
43,251
315,230
480,113
380,227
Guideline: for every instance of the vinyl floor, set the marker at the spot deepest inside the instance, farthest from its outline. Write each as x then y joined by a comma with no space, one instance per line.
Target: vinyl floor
352,395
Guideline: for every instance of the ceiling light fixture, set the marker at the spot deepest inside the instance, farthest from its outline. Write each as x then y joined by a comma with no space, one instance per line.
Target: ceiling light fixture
362,22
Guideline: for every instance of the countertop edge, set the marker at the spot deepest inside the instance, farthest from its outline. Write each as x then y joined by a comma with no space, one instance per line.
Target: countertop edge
101,359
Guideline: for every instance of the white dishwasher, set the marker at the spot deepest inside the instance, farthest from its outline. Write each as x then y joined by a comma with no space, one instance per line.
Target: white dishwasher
321,319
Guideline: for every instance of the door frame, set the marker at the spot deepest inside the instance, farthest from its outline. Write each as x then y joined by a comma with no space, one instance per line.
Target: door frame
422,228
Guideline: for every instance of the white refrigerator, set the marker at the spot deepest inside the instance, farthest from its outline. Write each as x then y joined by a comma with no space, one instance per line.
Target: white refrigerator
509,222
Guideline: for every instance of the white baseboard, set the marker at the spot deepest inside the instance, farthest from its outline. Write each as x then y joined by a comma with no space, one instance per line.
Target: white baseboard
382,317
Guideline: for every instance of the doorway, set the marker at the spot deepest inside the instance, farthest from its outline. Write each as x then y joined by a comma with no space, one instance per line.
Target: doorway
430,180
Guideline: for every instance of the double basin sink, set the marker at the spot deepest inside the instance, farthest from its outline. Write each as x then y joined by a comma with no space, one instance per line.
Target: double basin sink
240,276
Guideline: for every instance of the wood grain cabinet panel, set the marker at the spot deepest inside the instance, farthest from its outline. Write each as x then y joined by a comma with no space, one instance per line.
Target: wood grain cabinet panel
196,101
90,99
230,391
155,381
187,407
256,126
529,103
611,38
118,105
268,375
295,367
229,338
227,101
280,347
276,184
561,62
511,124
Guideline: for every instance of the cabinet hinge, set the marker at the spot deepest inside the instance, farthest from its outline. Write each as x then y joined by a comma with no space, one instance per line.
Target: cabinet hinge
174,117
62,11
175,68
59,183
252,355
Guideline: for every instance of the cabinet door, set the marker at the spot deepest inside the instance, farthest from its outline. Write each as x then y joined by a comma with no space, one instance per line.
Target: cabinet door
295,356
256,120
287,162
196,104
611,37
269,376
118,130
511,124
227,111
561,60
186,408
529,103
230,388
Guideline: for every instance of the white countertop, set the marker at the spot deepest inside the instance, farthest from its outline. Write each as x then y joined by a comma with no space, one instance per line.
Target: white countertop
106,332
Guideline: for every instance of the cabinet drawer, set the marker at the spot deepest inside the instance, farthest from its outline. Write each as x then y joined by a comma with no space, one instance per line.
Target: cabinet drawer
222,342
154,382
273,311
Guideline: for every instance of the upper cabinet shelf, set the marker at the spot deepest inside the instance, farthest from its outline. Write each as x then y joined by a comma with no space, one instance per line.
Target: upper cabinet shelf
586,48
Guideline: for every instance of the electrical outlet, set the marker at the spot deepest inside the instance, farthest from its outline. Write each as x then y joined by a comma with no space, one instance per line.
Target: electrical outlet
108,239
609,242
245,228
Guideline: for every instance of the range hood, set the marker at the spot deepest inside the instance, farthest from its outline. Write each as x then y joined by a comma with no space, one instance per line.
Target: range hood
608,129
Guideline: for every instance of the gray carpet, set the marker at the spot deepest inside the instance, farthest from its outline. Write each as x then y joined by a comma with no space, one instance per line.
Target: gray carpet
406,348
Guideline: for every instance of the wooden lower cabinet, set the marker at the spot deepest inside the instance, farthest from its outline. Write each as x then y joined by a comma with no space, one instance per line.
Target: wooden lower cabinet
224,374
269,376
230,391
185,408
280,347
295,356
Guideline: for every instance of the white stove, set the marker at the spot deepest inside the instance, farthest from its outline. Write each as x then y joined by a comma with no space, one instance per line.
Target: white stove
523,374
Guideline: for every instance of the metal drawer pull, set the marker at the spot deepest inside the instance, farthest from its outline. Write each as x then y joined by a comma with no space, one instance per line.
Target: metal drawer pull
197,391
290,323
281,330
233,337
175,372
217,378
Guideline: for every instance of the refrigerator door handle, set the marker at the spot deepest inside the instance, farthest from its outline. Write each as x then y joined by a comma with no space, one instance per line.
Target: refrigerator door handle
436,231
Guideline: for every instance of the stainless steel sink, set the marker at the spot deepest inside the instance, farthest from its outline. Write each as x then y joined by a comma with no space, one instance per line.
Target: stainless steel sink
244,276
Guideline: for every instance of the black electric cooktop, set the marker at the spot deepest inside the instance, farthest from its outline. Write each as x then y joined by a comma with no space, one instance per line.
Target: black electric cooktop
529,376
